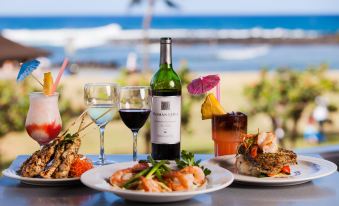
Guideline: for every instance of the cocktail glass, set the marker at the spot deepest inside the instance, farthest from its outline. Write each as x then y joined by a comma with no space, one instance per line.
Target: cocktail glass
227,130
43,121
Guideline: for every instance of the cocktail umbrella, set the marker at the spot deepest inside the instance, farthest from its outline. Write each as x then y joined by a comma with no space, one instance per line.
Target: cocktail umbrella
26,69
203,84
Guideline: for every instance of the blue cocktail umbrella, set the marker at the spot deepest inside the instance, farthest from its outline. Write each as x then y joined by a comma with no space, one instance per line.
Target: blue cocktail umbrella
26,69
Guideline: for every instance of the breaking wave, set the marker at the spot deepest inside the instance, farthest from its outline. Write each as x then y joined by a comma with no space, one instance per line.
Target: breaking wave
96,36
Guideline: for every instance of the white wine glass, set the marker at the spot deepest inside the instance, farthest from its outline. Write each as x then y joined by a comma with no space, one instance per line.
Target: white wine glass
102,100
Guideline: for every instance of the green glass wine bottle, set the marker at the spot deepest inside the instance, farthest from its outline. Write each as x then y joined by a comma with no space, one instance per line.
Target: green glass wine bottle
166,107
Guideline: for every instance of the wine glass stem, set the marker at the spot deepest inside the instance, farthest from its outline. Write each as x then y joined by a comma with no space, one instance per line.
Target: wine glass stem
135,145
102,150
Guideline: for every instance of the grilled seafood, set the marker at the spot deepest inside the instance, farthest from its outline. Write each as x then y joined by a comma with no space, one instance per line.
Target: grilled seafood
56,159
61,154
38,161
67,158
259,155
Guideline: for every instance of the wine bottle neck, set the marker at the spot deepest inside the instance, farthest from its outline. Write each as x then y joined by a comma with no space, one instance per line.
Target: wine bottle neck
166,54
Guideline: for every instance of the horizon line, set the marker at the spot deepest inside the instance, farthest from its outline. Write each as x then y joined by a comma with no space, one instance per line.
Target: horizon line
173,15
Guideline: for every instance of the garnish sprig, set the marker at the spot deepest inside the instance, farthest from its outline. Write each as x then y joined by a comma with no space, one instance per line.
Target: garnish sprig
187,159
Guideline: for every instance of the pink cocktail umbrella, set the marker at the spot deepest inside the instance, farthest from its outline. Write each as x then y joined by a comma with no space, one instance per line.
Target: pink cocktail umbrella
204,84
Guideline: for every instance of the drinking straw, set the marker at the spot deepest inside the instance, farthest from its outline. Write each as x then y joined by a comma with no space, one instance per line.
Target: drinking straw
218,91
61,71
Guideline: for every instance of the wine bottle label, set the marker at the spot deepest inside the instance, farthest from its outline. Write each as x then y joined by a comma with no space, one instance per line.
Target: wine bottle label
166,119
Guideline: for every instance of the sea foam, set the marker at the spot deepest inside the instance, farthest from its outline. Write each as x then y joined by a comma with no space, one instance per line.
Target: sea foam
92,37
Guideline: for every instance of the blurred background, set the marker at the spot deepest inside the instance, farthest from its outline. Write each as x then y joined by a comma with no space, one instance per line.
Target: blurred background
278,62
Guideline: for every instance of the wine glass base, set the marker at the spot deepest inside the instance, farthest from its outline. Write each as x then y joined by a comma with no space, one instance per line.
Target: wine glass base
105,162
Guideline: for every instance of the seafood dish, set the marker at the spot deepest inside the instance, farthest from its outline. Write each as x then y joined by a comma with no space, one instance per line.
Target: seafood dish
161,176
58,159
259,155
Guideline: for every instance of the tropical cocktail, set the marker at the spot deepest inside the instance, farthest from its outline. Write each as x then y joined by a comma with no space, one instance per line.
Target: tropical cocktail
227,132
43,121
227,129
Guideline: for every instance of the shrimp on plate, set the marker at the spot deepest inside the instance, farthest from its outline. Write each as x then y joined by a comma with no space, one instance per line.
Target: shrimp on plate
161,176
150,185
196,172
267,141
178,181
187,178
120,177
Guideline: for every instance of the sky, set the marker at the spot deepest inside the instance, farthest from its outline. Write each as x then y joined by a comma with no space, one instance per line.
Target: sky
187,7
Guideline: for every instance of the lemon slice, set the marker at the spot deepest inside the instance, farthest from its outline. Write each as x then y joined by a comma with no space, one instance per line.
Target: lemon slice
48,83
210,107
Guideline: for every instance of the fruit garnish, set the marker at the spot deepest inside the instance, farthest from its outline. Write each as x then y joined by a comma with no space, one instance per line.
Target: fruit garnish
48,83
210,107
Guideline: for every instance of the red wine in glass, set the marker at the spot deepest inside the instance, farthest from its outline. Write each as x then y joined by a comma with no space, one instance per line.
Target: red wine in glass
134,109
134,118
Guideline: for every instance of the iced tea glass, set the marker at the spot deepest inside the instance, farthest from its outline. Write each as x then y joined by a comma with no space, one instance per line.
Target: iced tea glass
43,121
227,130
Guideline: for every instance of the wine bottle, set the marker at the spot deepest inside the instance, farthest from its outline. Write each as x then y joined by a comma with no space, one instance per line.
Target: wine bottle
166,107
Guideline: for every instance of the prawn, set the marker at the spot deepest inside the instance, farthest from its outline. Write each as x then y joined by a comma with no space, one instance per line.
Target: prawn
121,176
140,166
267,141
178,181
198,174
149,185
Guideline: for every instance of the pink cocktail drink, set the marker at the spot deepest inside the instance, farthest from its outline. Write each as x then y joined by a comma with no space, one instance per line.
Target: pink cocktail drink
43,121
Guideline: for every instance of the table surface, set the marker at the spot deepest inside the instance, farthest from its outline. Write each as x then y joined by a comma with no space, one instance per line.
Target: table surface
324,192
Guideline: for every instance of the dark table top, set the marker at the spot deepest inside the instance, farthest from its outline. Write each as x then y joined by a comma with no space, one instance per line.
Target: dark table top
324,191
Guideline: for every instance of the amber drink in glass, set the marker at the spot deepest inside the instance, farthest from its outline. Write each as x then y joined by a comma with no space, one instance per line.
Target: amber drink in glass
227,130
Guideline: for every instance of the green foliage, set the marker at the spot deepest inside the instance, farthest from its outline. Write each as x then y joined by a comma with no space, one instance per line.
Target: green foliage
187,99
14,104
187,159
285,94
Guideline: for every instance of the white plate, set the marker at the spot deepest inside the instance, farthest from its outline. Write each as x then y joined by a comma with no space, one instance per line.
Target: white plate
97,179
11,173
307,169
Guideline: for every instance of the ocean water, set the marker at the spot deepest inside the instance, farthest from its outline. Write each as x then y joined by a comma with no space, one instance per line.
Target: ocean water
323,24
202,57
52,33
